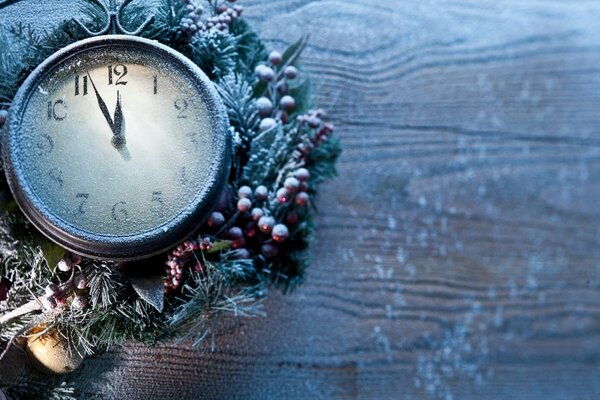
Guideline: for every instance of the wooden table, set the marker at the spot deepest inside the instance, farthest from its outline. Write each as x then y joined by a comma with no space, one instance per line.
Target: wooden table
457,255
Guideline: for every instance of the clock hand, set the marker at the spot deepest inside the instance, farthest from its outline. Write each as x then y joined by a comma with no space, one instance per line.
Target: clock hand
102,105
118,139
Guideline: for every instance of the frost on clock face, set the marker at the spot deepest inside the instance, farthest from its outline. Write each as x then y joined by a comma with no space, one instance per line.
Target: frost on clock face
74,171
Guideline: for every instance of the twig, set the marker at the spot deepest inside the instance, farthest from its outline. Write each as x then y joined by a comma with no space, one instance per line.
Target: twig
33,305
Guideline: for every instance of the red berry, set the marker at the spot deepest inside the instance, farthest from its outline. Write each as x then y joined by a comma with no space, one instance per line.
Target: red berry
76,258
238,243
257,213
205,244
245,192
302,174
251,230
291,72
215,220
302,199
261,193
275,58
235,233
292,218
280,233
283,195
266,223
282,88
303,187
244,205
287,103
291,184
269,250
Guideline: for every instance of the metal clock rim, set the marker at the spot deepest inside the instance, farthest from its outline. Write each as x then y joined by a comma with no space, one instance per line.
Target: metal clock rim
121,247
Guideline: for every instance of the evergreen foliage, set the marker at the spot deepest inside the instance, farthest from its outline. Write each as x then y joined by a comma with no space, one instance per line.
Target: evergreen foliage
220,281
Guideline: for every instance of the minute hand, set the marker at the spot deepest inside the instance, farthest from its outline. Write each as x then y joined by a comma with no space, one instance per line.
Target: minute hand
103,107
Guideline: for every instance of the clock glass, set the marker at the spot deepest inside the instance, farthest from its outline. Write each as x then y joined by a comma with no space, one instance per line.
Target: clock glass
119,142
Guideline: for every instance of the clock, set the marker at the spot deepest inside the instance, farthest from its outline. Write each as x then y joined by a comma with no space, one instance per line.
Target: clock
117,147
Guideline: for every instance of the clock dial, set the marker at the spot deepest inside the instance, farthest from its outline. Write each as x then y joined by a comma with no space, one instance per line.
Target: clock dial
116,142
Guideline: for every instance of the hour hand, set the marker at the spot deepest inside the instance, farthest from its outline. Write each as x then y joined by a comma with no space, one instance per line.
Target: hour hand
102,106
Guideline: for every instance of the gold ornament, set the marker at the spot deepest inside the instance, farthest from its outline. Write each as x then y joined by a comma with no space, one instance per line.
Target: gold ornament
51,353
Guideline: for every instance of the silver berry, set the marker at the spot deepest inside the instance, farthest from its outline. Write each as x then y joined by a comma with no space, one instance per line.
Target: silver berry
267,124
49,303
52,289
264,106
266,74
79,302
65,264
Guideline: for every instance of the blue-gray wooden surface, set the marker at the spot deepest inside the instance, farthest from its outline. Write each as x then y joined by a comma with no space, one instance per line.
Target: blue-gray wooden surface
457,256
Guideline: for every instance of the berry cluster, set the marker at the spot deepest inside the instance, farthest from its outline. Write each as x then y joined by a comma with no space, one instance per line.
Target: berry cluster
251,229
277,104
320,131
73,291
184,256
195,20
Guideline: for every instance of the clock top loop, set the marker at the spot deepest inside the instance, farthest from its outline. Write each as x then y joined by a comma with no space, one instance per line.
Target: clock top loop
113,23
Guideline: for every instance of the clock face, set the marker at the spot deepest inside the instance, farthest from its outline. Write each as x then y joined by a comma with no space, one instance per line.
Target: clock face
118,144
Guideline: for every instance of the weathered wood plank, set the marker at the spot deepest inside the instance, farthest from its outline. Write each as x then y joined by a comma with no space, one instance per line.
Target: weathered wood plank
457,255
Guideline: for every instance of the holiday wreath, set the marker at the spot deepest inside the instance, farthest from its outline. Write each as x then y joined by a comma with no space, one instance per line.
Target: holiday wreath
60,306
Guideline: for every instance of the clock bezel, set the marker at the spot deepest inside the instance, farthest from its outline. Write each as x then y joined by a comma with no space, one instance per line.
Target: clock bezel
120,247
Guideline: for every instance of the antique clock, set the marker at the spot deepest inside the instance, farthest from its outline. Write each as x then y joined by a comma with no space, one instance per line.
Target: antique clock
117,147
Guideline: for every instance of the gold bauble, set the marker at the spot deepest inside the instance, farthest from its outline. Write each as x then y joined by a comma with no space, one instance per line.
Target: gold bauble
51,353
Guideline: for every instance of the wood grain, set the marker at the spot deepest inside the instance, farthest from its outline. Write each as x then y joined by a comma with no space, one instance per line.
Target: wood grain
457,255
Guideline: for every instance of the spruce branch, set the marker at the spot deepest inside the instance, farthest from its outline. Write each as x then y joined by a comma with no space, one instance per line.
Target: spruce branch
215,53
107,283
206,297
38,387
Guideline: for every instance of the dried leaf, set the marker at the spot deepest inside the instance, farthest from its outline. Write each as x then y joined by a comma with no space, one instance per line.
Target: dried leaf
51,251
150,289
